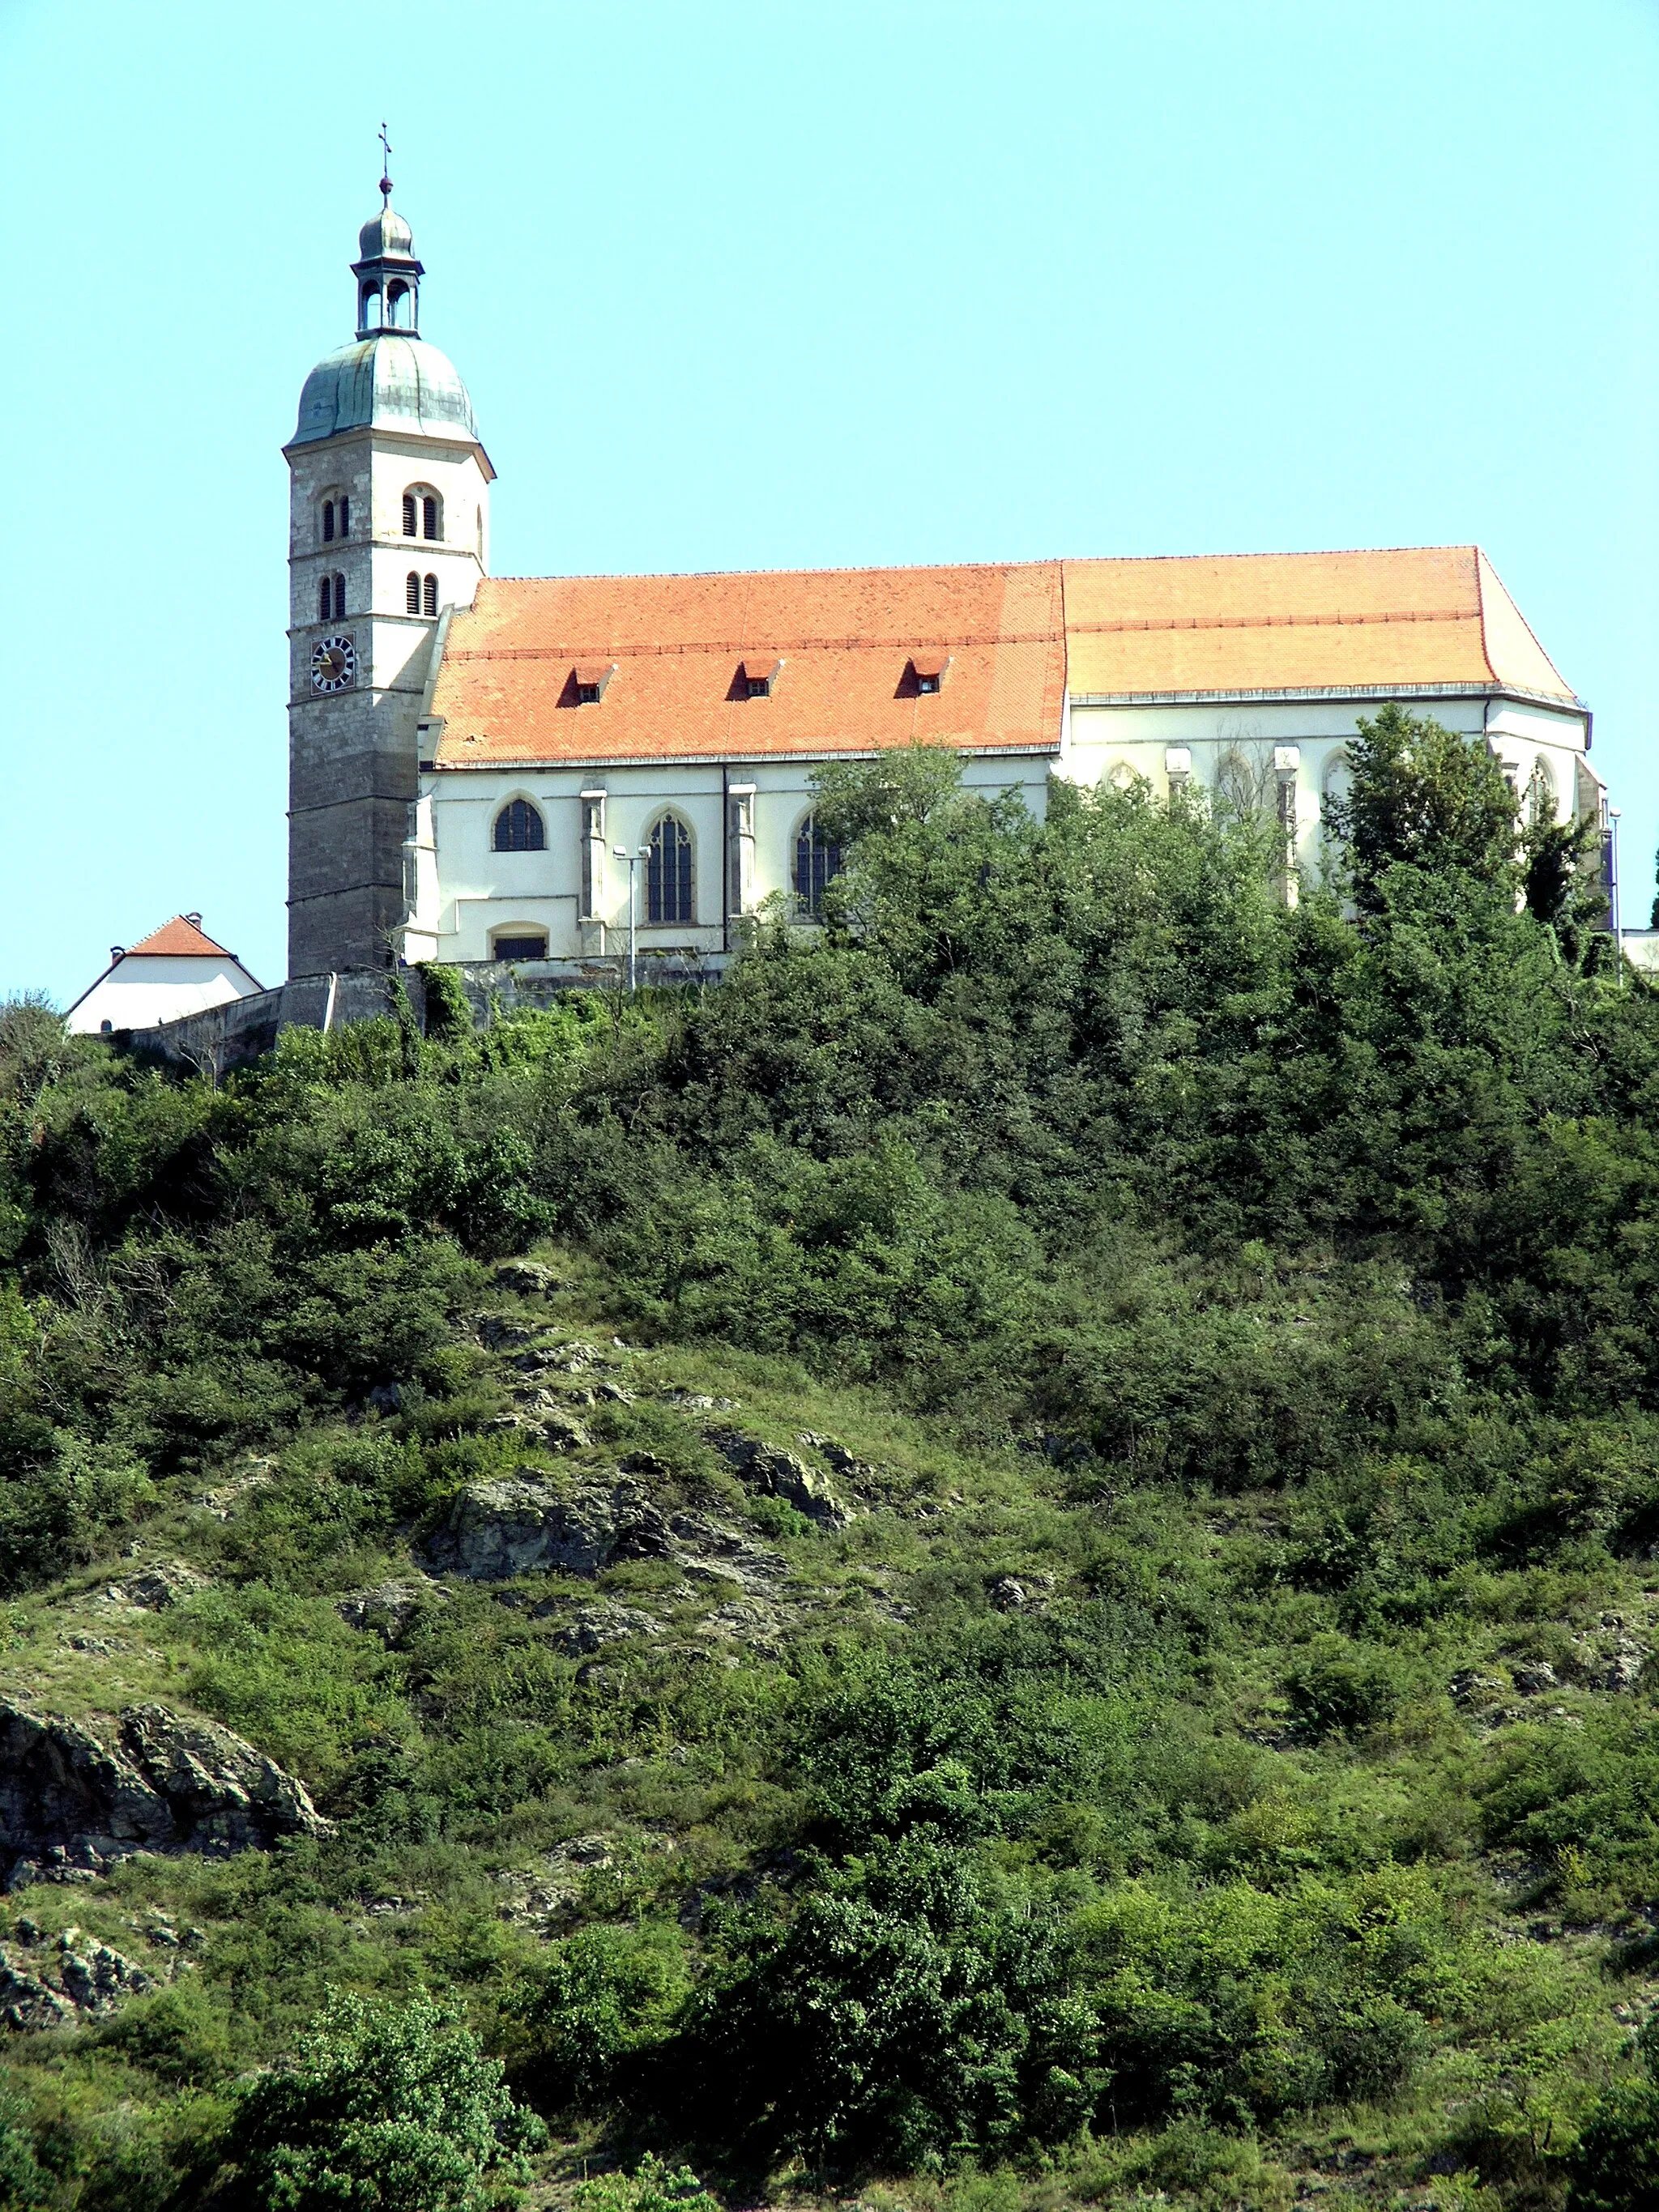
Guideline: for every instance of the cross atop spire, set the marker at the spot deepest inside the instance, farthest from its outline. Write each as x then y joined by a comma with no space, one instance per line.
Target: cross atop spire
385,166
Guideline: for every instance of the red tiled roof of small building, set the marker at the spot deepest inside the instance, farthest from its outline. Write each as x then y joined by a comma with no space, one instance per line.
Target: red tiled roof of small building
181,938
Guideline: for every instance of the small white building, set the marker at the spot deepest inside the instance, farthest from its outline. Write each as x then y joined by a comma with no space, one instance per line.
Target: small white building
175,970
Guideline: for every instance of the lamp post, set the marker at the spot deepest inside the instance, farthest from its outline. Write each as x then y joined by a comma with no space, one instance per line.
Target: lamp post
632,859
1614,813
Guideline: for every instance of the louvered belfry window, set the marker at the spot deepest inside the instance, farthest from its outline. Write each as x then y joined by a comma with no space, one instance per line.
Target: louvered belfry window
412,593
668,872
339,596
324,599
429,516
429,596
409,520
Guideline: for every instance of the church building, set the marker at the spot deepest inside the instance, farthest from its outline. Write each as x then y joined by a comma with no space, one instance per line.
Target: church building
511,768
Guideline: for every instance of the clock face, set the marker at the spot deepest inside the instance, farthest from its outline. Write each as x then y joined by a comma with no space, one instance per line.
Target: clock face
333,664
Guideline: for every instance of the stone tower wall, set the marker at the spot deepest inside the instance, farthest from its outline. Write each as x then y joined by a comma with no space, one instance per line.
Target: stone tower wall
352,763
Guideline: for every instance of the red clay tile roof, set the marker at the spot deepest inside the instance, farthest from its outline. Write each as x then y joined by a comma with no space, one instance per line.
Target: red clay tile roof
845,637
1015,635
181,938
1287,622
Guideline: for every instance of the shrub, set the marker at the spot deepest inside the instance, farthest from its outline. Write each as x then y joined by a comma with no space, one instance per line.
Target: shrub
391,2108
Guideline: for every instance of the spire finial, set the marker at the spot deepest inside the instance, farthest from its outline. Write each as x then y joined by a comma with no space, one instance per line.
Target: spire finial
385,168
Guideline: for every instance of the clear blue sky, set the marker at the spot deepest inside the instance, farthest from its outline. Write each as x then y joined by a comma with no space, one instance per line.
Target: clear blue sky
795,284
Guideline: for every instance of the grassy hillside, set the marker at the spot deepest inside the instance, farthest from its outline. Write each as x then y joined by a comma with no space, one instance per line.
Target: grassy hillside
1011,1561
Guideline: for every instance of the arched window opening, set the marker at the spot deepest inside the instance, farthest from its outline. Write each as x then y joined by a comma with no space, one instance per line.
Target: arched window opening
818,858
668,872
343,515
371,307
339,596
519,829
325,599
328,522
429,516
396,306
519,943
1541,795
412,593
429,597
410,526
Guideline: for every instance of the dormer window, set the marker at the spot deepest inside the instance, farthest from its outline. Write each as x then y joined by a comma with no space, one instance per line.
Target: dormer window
588,679
757,675
927,672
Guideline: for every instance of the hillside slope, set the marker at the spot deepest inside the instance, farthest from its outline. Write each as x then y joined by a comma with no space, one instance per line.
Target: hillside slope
1011,1559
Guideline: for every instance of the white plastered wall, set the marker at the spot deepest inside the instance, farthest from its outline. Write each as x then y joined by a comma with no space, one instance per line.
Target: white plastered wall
144,988
1115,742
463,894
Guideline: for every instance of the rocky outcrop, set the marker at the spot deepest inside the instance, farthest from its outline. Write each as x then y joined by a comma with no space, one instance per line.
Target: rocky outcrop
524,1524
387,1610
528,1277
592,1628
72,1805
157,1588
64,1979
777,1473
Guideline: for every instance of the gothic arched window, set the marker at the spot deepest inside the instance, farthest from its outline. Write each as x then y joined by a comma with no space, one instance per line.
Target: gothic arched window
328,522
342,516
410,520
519,829
325,599
412,593
817,859
429,596
429,517
339,596
668,872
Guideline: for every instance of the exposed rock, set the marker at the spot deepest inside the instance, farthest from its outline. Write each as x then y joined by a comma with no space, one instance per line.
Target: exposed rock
157,1588
71,1805
1469,1686
529,1278
1009,1594
778,1473
699,1402
850,1468
387,1610
591,1628
1533,1676
224,1502
496,1333
561,1432
536,1898
746,1620
544,1422
67,1979
1611,1660
524,1524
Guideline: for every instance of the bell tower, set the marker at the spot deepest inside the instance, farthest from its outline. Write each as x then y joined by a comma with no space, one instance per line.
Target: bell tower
388,525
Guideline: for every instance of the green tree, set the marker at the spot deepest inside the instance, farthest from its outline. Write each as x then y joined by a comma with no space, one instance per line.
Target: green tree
385,2108
1426,797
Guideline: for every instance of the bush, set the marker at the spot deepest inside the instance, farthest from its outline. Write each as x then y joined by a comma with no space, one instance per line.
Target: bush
391,2108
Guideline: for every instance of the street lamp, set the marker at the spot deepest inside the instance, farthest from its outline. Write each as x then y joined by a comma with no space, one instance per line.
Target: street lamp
632,859
1614,813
